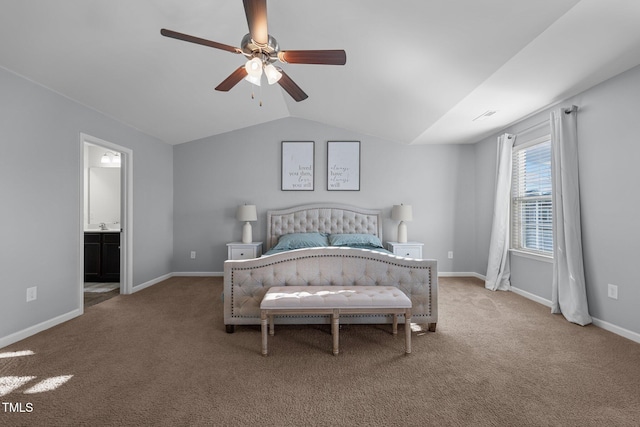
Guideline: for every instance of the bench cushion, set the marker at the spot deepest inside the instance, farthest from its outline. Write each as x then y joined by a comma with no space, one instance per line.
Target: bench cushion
348,297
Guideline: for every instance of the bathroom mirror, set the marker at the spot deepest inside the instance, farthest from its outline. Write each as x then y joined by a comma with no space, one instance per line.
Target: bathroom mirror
104,195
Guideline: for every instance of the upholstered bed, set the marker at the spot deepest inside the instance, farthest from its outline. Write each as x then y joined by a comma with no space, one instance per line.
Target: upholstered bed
365,263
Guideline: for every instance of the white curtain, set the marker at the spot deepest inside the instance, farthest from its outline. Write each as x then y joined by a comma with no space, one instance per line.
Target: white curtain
569,295
498,269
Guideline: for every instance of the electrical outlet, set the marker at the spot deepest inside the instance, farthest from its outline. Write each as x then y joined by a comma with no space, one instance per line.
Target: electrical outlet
32,294
193,254
612,291
450,254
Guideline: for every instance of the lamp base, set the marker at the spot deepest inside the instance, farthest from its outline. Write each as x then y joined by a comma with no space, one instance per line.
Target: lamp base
402,232
247,233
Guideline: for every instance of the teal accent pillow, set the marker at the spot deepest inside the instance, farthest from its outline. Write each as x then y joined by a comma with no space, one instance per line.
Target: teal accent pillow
301,240
355,240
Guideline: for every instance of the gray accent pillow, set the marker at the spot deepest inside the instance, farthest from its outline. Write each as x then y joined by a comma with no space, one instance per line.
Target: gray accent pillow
355,239
301,240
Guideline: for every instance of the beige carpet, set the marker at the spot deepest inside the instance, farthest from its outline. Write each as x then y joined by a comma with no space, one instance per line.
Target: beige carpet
161,357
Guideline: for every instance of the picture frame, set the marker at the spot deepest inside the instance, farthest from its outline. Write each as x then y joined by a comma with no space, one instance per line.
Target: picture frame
343,166
298,166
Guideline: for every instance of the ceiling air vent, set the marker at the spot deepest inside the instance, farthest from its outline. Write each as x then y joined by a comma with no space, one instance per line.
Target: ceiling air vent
485,115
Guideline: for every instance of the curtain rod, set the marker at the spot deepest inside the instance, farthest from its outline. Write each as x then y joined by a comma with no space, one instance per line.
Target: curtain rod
533,127
567,110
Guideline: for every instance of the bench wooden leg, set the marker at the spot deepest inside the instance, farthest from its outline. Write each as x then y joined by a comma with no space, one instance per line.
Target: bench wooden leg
335,331
407,331
272,330
267,328
263,325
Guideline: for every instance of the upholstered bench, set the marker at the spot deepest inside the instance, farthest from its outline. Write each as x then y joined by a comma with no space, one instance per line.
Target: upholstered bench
335,300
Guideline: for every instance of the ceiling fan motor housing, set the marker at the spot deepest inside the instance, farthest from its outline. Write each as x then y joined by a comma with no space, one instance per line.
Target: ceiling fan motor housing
268,52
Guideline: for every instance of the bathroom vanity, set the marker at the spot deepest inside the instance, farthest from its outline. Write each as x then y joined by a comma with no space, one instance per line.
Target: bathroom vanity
102,256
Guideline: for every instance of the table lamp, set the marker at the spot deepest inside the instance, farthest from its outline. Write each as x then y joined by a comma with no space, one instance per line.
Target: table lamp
247,213
402,213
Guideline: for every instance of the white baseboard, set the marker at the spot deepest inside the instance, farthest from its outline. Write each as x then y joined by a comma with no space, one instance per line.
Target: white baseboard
633,336
151,282
32,330
199,274
177,274
464,274
531,296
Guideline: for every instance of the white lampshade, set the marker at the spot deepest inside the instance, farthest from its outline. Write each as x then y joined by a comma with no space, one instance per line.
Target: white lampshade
272,73
247,213
105,158
254,71
254,67
253,80
402,213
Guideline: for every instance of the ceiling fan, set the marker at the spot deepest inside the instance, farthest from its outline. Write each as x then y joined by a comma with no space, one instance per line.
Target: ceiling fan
262,51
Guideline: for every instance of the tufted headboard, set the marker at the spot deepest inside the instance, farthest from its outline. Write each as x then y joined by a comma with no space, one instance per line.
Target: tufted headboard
323,218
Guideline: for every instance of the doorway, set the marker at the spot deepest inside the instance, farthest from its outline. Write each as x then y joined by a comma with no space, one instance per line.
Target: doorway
106,220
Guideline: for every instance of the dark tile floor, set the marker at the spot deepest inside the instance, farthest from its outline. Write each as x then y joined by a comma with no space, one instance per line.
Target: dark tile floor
95,293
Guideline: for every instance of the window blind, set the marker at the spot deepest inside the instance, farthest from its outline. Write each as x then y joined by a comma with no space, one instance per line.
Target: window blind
532,209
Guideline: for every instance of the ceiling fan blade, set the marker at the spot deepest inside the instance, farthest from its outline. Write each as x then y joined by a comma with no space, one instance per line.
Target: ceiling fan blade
291,87
233,79
256,11
198,40
322,57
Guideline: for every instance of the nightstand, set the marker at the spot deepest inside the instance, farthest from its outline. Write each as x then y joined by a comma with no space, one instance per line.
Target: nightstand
409,249
239,250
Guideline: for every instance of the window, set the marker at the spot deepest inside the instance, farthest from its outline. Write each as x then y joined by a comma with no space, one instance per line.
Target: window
531,207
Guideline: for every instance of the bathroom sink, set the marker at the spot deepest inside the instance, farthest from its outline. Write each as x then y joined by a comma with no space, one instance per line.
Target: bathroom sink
99,230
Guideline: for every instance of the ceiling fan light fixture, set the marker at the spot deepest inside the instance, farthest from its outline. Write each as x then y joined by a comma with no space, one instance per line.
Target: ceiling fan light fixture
272,73
254,67
253,80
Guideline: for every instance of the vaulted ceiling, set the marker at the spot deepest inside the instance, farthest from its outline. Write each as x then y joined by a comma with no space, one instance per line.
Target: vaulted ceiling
417,71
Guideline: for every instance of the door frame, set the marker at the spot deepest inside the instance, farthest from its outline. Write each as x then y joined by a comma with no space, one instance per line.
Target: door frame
126,212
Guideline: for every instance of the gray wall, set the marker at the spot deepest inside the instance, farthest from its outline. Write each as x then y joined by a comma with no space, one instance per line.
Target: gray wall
185,196
485,153
608,129
214,175
40,188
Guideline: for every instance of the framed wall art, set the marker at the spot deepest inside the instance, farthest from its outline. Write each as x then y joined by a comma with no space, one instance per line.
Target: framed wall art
343,165
298,159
